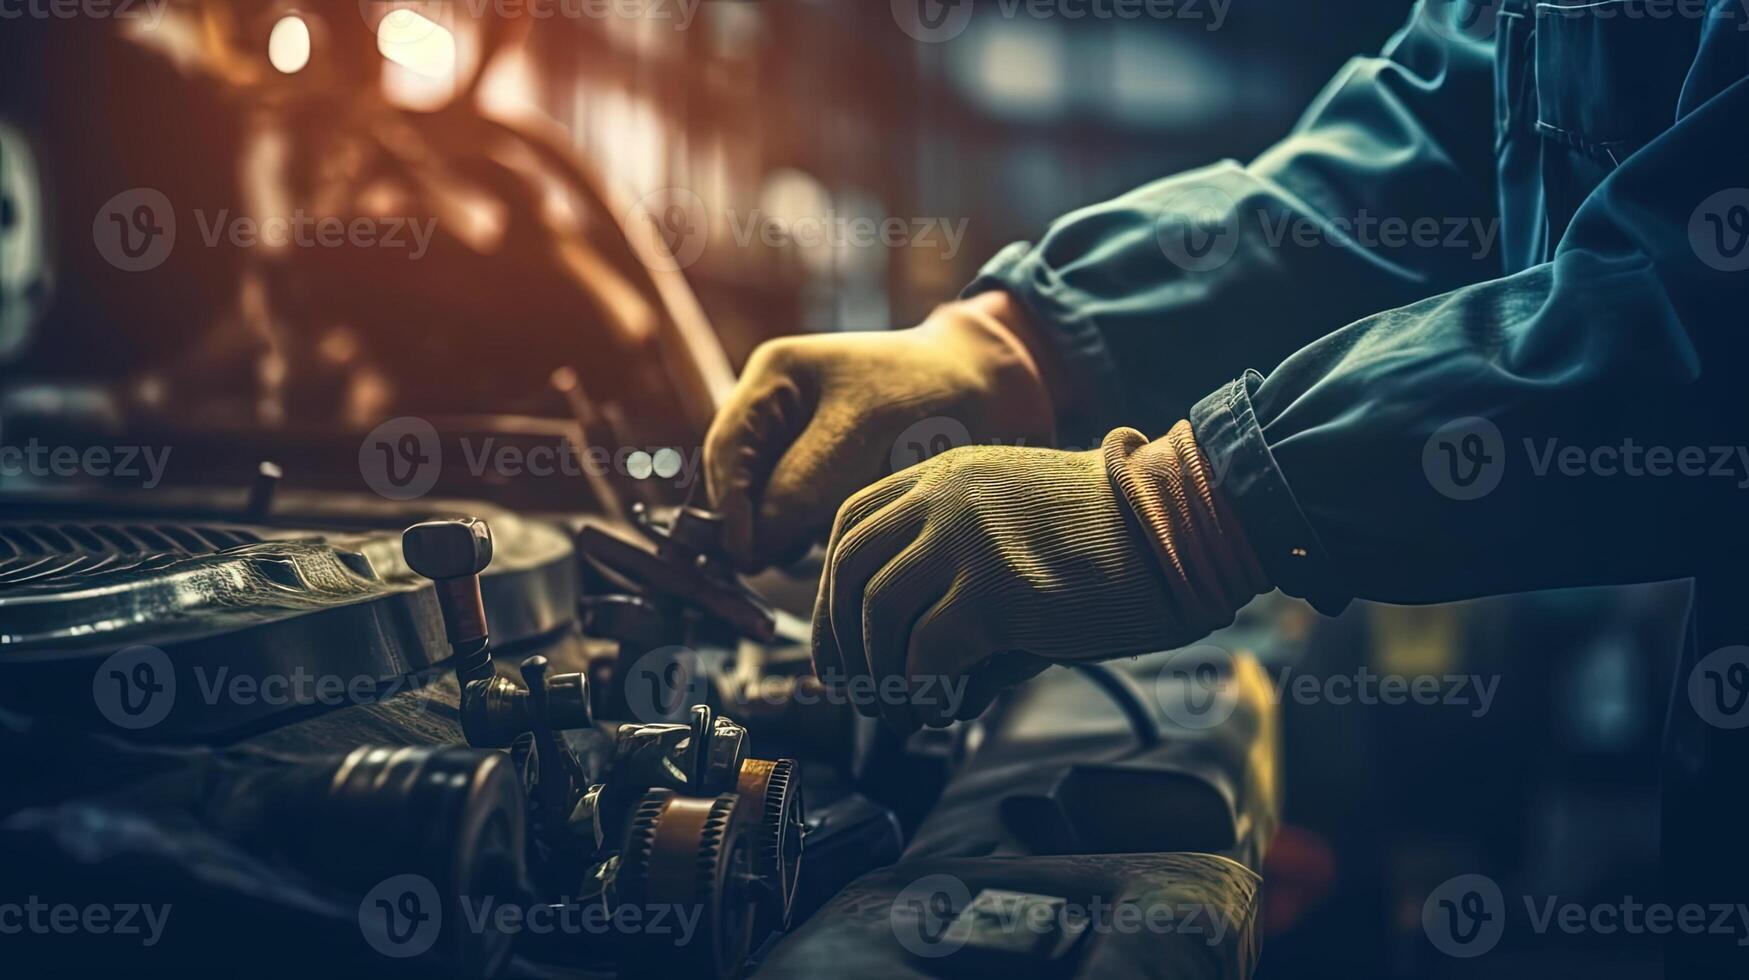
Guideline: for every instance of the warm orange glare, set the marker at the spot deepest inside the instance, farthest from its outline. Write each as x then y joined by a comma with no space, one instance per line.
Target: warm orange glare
288,45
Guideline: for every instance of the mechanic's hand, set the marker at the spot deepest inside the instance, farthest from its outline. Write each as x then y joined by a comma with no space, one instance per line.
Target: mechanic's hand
980,567
814,419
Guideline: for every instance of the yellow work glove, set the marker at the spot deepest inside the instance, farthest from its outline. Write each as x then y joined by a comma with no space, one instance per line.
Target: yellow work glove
814,419
986,564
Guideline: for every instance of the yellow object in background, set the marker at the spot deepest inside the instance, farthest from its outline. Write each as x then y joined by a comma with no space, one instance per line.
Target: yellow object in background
1416,640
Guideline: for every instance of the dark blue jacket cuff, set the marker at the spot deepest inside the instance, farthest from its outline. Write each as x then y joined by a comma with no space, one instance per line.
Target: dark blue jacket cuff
1231,439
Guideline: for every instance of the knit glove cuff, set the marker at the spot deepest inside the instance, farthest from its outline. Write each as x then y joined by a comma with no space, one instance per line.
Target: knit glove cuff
1170,489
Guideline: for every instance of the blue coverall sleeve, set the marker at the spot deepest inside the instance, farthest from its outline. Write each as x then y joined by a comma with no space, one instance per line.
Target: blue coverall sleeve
1580,422
1143,328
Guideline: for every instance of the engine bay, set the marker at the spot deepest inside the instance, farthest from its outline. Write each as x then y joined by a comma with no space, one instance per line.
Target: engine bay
493,744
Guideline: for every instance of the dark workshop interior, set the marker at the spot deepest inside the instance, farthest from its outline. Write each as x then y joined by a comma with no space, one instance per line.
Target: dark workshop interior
396,578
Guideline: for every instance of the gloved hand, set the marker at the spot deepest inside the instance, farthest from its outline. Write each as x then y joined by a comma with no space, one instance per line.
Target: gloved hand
814,419
986,564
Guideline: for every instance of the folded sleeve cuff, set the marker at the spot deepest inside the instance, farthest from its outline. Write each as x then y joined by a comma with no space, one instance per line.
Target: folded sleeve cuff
1091,376
1245,470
